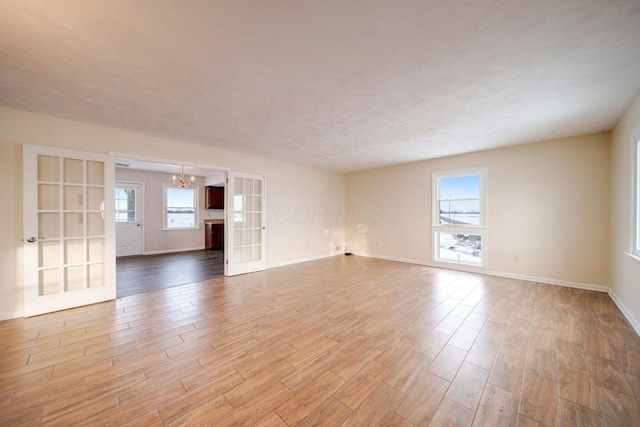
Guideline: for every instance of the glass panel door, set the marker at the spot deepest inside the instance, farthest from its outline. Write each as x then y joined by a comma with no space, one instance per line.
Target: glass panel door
68,245
246,224
128,201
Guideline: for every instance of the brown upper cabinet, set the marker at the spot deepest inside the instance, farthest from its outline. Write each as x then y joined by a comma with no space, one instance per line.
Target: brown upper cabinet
214,197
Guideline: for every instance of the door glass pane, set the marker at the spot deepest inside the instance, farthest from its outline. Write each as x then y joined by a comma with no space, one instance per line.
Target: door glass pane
95,196
257,186
95,173
48,168
73,224
96,250
247,220
238,254
74,278
126,205
49,282
95,224
73,251
48,197
48,225
49,253
257,253
257,236
73,199
237,210
248,186
73,171
96,275
248,203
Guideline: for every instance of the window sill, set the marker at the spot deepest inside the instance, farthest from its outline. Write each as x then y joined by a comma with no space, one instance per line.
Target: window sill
445,263
634,257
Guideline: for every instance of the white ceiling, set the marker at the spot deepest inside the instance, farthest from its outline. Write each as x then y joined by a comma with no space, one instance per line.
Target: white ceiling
343,85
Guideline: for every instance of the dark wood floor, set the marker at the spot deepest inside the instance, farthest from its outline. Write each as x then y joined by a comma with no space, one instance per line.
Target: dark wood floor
344,341
146,273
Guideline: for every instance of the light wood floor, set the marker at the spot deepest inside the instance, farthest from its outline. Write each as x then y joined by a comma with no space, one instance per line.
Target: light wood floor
343,341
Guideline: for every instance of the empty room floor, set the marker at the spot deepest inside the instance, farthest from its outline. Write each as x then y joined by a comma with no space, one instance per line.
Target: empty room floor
147,273
340,341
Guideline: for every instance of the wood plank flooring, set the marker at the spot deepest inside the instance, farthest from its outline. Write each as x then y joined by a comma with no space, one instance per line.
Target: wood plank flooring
345,341
147,273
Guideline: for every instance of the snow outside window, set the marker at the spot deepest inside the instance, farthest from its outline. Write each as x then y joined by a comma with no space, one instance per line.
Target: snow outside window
180,207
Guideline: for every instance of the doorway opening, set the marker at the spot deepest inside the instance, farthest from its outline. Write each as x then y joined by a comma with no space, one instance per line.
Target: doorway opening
161,234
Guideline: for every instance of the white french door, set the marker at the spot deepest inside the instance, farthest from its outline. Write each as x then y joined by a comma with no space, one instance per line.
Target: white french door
245,246
69,254
128,200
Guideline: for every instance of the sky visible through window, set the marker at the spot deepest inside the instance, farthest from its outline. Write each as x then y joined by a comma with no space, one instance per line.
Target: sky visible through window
461,187
180,197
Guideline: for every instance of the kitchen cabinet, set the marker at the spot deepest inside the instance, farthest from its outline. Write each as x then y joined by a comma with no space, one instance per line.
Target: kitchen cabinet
217,236
214,197
214,234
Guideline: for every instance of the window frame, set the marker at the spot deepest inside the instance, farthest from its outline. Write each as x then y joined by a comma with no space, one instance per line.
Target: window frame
635,199
480,229
196,215
137,203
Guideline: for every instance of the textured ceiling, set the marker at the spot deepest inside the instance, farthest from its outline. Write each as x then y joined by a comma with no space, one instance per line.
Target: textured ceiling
343,85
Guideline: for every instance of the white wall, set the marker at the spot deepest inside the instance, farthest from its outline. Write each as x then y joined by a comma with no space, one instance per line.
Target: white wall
548,205
305,204
157,240
625,271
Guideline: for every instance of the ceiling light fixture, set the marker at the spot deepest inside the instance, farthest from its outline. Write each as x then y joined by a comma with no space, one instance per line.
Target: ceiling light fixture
181,181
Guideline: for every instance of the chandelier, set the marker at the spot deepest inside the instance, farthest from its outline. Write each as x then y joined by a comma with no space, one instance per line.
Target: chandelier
181,181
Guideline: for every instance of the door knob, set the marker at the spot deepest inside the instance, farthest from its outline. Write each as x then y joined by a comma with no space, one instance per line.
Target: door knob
31,239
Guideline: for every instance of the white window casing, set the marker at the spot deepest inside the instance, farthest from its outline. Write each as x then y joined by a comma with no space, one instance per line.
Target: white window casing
459,217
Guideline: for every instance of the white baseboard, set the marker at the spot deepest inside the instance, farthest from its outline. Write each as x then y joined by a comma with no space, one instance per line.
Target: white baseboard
11,315
170,251
471,269
632,320
299,260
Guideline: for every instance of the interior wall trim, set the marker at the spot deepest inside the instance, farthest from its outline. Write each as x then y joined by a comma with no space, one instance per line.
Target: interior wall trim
170,251
627,314
299,260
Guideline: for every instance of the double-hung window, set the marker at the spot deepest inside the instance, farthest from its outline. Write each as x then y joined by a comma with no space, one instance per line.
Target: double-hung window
180,207
459,216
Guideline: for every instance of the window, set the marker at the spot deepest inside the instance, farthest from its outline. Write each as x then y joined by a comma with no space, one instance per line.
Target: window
636,193
126,205
180,207
459,216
